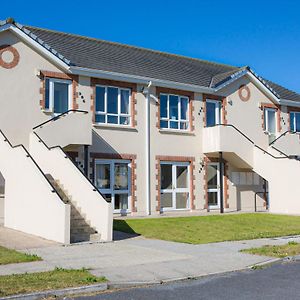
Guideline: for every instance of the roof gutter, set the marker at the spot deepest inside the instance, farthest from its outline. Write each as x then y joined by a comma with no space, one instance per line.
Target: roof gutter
140,80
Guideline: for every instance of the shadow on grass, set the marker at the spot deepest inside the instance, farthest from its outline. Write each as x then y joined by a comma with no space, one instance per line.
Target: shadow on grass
123,231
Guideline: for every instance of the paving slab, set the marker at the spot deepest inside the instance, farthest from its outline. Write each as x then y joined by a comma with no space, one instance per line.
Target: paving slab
137,259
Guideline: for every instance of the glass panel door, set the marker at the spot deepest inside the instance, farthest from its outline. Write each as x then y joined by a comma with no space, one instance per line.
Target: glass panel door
166,185
112,178
213,113
174,186
213,185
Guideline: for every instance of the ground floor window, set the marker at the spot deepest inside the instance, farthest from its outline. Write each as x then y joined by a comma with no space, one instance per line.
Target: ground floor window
112,178
175,192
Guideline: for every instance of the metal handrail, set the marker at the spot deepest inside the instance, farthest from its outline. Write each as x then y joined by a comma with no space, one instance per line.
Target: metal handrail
282,135
59,116
255,200
95,189
33,160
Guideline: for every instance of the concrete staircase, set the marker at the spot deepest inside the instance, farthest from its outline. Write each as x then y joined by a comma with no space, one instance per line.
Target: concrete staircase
80,228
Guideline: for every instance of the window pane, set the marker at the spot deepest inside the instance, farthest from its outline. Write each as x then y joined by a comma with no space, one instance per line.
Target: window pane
47,96
184,108
125,101
173,107
61,97
163,124
107,197
182,200
112,119
182,176
112,100
100,118
166,200
292,122
103,176
121,176
271,121
212,198
166,176
212,179
121,201
100,96
297,116
184,125
174,125
163,106
124,120
210,114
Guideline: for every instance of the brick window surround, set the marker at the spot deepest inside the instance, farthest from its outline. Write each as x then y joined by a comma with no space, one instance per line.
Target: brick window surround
58,75
208,160
278,114
122,84
112,156
224,107
190,95
191,160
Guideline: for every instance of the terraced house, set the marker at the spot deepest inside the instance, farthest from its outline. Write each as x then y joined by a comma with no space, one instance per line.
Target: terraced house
91,129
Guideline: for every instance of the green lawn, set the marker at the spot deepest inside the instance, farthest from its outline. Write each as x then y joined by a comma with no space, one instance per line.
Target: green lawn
8,256
290,249
57,279
215,228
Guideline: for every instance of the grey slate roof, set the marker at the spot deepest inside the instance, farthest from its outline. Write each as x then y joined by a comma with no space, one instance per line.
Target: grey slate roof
114,57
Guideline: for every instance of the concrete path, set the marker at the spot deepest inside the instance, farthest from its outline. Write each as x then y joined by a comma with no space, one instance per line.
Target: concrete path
144,260
14,239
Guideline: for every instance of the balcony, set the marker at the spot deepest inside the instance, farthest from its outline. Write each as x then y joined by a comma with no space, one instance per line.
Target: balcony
237,148
73,127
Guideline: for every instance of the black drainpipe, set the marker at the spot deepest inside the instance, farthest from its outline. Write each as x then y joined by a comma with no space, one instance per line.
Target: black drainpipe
221,183
86,160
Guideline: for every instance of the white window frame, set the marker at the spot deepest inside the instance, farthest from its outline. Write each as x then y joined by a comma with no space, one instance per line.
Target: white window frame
218,110
111,190
266,120
119,114
167,119
295,113
174,190
52,82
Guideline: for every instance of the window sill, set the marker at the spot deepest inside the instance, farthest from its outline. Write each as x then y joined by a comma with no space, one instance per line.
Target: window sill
115,127
178,132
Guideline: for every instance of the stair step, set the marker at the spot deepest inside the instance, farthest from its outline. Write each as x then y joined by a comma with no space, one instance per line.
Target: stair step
77,238
82,229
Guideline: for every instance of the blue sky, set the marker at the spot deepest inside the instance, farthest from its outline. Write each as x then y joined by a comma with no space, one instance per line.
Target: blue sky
262,34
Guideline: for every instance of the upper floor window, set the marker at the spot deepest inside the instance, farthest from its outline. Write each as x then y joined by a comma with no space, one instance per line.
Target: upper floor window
213,112
112,105
295,121
58,95
270,120
174,112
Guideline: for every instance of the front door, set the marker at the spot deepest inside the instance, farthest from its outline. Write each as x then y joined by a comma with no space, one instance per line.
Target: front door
174,186
213,113
213,185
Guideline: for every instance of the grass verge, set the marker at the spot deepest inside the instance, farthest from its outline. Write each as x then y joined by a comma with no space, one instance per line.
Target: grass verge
290,249
56,279
209,229
9,256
